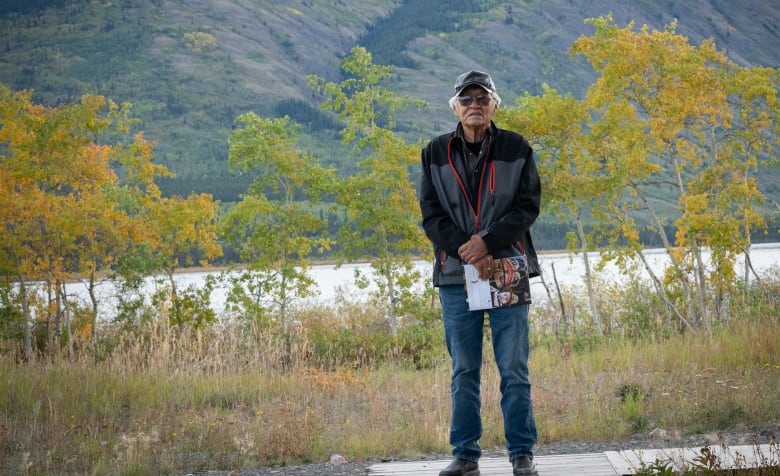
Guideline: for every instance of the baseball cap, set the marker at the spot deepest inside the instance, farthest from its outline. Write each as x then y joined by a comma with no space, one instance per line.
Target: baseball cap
474,78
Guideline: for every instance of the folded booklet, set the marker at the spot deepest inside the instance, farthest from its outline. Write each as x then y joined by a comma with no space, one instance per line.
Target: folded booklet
506,287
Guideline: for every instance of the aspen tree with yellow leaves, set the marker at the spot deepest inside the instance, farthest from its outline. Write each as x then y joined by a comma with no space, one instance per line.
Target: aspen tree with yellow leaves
66,215
52,176
183,233
688,120
664,118
573,183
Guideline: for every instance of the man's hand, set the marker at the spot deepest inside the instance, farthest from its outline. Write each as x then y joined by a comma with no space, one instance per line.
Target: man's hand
485,267
475,252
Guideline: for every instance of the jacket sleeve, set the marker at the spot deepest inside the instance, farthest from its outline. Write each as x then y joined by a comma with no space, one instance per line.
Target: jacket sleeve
513,225
436,221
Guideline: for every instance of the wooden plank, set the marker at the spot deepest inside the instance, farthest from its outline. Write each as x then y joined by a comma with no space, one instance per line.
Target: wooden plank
610,463
590,464
586,464
729,457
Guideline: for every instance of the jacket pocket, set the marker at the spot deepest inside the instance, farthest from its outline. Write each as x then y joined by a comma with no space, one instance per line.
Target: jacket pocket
450,270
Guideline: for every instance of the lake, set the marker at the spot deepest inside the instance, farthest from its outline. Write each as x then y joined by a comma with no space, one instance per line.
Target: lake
568,269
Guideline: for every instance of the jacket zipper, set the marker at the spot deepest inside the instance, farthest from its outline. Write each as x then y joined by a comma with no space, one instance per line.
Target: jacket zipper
491,186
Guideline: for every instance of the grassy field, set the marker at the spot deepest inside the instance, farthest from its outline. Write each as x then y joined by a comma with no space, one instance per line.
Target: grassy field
163,401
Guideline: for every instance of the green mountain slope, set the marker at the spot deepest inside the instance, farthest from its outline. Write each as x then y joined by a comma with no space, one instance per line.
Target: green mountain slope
190,67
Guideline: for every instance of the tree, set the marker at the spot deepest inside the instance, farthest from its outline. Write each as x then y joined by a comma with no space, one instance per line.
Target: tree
50,168
380,199
113,228
56,202
557,126
182,232
165,233
705,124
67,214
275,227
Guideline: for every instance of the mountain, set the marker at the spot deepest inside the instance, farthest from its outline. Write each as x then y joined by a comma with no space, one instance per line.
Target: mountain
189,67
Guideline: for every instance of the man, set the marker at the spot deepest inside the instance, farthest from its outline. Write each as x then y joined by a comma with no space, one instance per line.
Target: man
479,194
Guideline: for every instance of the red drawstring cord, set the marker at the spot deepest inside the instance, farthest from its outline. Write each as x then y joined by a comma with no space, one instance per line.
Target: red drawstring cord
492,179
491,185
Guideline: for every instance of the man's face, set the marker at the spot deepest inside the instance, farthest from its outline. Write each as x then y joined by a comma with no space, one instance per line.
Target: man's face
478,113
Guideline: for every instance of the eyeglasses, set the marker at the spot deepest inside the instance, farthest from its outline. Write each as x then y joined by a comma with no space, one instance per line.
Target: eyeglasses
466,101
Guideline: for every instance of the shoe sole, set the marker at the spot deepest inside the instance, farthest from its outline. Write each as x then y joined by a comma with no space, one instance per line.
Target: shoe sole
526,472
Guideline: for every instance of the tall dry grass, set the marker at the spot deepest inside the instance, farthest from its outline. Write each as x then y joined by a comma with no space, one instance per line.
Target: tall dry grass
161,401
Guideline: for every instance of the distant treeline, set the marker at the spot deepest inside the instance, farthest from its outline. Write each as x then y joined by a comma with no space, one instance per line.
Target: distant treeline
29,6
304,113
225,188
552,236
547,236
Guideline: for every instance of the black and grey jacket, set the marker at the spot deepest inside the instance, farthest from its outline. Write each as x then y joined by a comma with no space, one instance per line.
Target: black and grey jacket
502,209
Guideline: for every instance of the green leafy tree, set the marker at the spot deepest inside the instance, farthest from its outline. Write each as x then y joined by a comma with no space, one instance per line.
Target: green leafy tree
379,199
275,227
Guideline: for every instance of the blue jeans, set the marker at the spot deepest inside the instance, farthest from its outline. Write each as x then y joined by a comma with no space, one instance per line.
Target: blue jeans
463,335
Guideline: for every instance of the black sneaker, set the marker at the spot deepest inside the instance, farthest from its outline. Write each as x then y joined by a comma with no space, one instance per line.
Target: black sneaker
461,467
524,466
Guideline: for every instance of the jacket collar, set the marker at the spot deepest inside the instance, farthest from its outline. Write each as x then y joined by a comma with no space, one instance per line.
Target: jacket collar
491,131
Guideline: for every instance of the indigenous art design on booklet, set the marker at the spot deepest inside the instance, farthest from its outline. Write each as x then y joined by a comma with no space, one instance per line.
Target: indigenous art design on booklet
506,287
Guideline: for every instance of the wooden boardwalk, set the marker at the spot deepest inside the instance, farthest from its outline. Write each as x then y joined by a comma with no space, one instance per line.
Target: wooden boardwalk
610,463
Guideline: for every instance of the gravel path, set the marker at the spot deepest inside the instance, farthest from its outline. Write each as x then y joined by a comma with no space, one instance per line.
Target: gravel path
657,439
